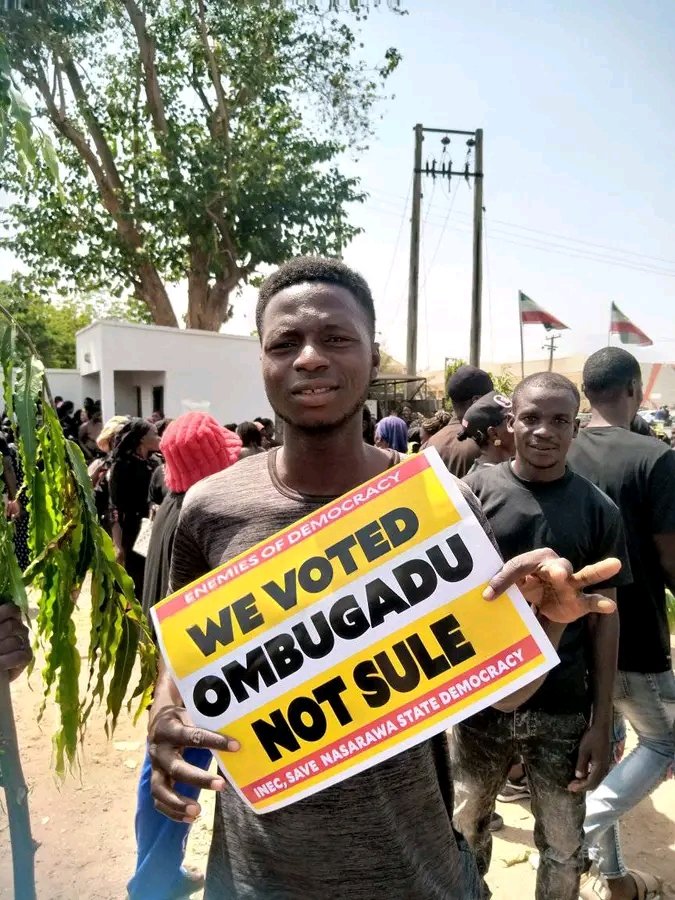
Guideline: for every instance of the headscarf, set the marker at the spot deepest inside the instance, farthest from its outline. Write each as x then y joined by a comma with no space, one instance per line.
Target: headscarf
394,431
108,432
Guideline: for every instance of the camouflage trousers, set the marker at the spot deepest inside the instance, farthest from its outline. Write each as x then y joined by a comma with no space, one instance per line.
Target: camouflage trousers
483,749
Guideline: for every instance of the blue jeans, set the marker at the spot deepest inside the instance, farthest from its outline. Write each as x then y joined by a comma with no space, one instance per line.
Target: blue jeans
160,842
648,702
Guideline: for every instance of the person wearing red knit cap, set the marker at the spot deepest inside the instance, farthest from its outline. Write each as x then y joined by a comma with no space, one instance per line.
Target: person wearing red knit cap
194,446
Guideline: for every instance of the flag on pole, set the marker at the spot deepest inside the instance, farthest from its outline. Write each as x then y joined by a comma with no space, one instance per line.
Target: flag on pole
532,314
627,331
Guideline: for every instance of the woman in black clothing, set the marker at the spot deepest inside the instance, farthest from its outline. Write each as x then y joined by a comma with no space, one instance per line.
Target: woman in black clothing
133,463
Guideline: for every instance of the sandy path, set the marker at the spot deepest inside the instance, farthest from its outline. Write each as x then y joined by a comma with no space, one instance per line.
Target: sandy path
85,825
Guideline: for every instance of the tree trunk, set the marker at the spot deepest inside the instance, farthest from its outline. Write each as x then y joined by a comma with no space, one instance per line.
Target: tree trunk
153,293
208,304
16,796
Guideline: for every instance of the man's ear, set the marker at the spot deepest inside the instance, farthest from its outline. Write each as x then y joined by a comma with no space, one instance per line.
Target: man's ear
509,422
577,426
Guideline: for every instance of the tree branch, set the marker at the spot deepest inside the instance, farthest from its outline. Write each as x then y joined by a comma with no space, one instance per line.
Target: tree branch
103,149
110,190
221,100
146,46
199,90
226,243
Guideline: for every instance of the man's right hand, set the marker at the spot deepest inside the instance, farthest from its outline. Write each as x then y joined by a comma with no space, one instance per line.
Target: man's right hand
169,734
15,650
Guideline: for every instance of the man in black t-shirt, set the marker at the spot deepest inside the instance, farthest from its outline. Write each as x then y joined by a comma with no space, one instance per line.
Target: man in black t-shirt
638,473
530,502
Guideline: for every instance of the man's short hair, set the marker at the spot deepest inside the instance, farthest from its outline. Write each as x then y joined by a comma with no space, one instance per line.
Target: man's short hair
319,269
609,372
468,382
547,381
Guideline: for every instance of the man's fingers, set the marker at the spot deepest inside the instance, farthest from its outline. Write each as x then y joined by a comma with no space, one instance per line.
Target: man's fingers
599,604
170,802
597,572
171,763
169,727
17,659
9,611
579,785
590,782
518,568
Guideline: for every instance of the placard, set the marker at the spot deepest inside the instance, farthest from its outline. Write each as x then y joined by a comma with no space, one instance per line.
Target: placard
350,636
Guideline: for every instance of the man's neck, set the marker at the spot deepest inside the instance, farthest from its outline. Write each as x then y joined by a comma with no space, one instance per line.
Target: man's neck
459,410
538,476
328,464
605,415
494,455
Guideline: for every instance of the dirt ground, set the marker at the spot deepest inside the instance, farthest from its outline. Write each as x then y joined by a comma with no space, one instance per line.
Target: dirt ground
84,825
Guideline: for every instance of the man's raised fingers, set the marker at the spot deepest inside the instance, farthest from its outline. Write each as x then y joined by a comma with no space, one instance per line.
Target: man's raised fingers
169,728
520,567
170,802
597,603
597,572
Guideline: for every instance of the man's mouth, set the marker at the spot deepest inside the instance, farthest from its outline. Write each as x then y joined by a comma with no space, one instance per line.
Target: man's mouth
309,392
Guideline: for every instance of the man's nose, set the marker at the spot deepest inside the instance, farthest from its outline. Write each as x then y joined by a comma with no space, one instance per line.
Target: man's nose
310,358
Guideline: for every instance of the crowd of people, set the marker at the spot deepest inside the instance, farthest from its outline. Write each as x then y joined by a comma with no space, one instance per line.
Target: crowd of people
584,519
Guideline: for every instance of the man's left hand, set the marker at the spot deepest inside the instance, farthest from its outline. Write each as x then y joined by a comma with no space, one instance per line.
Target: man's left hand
15,650
592,760
552,588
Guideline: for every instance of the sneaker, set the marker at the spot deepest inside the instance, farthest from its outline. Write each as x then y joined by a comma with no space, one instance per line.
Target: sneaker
514,790
496,822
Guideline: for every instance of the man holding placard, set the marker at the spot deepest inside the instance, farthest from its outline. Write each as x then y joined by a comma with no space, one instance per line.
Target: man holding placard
329,524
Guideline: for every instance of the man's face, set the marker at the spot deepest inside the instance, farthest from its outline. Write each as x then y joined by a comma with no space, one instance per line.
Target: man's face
318,356
406,415
543,425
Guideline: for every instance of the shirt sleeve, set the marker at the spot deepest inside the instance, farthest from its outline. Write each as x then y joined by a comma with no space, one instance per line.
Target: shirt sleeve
661,492
188,562
477,510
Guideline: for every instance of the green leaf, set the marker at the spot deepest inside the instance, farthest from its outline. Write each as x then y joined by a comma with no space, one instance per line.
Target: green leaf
28,389
50,157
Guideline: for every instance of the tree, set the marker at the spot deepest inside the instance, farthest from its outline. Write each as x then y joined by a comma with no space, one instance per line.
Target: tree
197,140
51,324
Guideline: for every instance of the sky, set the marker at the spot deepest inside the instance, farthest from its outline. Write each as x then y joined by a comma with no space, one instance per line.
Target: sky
576,101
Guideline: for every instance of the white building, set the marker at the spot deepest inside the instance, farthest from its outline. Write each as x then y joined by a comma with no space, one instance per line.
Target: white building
138,369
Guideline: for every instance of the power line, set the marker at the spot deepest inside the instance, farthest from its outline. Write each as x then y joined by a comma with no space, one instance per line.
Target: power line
553,247
398,239
440,237
384,198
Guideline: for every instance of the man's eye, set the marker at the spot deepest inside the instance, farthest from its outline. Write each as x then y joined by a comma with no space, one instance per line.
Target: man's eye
337,339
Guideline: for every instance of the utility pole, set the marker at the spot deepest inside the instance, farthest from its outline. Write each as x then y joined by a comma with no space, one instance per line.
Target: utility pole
476,311
445,170
551,346
414,271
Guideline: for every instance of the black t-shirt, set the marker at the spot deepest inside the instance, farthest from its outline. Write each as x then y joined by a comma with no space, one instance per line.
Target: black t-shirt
574,518
638,473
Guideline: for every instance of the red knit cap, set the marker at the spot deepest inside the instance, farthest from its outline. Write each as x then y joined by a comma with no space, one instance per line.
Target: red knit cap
194,446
